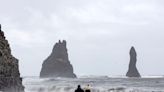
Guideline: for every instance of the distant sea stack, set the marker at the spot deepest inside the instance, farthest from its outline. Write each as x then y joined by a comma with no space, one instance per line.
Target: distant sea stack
57,64
133,72
10,80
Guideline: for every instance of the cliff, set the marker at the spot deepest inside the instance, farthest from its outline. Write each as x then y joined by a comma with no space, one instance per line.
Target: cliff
57,64
133,72
10,80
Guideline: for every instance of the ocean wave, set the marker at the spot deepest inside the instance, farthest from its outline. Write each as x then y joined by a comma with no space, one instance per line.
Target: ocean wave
98,84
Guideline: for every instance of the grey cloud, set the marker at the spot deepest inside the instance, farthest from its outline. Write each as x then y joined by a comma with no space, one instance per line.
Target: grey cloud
97,31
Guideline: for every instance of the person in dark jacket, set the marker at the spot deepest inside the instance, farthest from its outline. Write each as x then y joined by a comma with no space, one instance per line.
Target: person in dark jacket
79,89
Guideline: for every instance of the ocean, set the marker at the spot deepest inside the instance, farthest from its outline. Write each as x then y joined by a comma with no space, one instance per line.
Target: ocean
97,84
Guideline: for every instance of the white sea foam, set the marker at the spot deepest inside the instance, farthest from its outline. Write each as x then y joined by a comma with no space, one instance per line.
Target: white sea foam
98,84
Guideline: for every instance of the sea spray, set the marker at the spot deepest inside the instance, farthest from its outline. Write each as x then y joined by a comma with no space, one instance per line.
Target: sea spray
98,84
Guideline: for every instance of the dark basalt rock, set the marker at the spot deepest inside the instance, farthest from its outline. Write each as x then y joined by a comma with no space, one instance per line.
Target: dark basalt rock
57,64
133,72
10,80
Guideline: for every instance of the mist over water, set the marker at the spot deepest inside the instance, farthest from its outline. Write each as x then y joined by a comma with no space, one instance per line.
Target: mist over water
98,84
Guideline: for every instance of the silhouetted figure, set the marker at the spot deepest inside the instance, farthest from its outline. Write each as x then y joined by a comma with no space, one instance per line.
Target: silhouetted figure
87,89
79,89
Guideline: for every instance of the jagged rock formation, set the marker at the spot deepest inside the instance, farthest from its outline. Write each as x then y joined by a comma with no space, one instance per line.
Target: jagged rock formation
133,72
10,80
58,64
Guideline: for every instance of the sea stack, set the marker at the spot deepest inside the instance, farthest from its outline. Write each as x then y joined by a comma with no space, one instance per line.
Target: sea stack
10,80
133,72
57,64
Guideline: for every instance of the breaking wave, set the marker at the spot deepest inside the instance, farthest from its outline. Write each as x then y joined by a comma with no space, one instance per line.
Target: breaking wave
98,84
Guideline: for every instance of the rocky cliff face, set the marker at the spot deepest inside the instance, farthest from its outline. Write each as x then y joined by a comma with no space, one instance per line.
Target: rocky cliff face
133,72
10,80
58,64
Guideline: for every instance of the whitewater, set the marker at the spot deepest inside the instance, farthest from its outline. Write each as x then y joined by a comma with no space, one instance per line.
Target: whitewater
97,84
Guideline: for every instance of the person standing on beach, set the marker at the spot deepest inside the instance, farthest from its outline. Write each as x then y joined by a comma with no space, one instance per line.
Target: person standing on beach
79,89
87,89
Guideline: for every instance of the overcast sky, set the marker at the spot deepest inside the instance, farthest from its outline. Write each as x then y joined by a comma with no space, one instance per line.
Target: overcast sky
99,33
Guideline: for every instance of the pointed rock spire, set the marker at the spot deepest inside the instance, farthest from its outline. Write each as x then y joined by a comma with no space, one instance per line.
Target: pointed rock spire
1,33
58,64
133,72
0,27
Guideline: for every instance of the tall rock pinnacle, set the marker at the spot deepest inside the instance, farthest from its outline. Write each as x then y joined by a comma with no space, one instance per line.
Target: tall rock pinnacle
133,72
57,64
10,80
